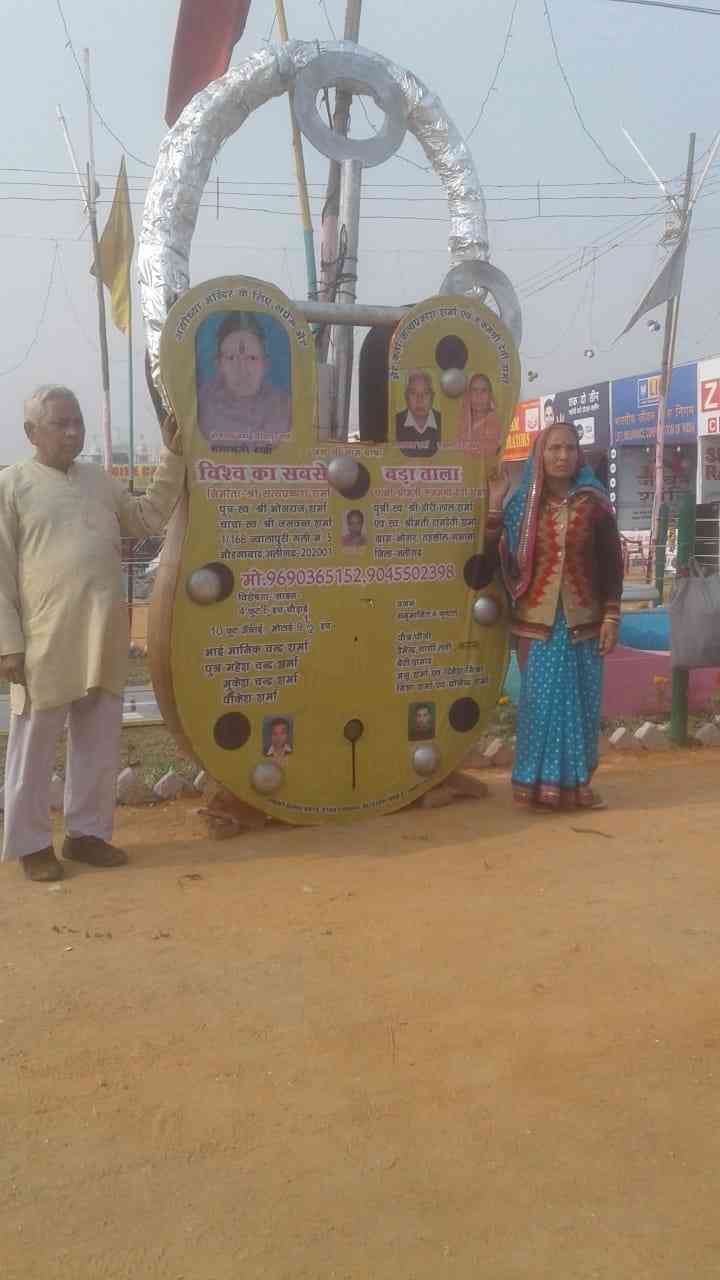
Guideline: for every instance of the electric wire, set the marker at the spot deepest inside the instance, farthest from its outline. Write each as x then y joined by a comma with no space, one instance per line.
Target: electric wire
91,99
598,146
43,312
498,69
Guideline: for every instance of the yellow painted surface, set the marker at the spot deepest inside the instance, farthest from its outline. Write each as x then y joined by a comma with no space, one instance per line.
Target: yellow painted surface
323,624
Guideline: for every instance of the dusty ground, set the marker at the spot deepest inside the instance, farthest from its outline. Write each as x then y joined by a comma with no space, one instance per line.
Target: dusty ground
461,1043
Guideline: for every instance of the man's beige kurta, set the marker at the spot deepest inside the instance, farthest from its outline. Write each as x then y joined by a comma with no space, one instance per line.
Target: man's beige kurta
62,597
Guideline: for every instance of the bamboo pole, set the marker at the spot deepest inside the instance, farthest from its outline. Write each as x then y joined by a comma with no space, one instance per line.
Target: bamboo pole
300,174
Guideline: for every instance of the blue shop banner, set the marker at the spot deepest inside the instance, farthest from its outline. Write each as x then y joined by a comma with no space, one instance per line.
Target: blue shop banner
635,407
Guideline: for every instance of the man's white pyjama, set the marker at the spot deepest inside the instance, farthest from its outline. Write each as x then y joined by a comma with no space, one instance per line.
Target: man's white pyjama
93,758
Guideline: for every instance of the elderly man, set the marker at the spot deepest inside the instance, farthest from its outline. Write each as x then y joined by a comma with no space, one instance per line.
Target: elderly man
64,630
417,430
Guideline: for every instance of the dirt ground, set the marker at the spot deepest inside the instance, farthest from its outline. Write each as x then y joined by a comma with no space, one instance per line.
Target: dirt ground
466,1042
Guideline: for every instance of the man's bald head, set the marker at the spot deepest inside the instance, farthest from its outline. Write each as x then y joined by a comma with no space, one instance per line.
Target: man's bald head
35,407
419,395
54,425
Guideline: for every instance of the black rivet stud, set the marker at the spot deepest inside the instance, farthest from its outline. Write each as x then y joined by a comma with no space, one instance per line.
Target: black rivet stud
478,572
464,714
451,352
353,730
232,730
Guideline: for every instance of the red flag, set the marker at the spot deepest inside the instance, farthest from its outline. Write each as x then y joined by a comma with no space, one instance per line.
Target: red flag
206,35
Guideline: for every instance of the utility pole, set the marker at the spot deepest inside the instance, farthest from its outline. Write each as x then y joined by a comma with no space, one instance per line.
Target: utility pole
672,311
341,219
682,213
331,208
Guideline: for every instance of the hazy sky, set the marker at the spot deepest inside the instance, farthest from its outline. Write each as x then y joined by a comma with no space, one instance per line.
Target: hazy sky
653,71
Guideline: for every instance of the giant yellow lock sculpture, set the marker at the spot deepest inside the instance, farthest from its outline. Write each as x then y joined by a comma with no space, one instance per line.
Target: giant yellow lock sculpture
332,638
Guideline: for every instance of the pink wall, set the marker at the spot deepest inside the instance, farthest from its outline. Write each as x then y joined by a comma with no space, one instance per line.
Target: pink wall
630,690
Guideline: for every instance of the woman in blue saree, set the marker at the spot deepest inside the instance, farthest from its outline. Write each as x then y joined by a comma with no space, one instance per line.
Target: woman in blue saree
562,564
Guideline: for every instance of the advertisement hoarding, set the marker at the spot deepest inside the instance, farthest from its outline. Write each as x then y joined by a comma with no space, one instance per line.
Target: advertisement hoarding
708,397
636,482
588,407
524,428
635,407
708,481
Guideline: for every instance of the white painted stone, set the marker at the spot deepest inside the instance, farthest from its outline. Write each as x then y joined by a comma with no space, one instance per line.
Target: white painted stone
172,785
201,781
651,738
57,793
499,754
708,735
622,739
133,789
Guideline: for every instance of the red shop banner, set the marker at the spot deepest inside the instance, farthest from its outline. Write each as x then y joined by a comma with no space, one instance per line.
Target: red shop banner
522,433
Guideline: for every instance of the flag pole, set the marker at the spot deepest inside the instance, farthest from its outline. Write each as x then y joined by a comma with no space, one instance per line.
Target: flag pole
102,321
131,380
131,447
102,334
89,202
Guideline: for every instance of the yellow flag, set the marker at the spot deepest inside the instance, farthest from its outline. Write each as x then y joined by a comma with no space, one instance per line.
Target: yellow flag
117,243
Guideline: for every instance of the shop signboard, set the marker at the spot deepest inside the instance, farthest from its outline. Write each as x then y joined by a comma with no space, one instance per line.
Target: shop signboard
522,433
708,477
587,407
635,474
635,408
708,396
143,471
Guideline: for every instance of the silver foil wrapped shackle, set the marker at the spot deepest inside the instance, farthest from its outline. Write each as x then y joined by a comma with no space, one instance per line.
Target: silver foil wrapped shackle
355,71
188,150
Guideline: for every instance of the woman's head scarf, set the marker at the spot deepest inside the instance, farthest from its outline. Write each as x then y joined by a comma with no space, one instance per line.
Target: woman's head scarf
520,518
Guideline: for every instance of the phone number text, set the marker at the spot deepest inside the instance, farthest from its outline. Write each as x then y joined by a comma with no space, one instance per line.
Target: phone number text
349,575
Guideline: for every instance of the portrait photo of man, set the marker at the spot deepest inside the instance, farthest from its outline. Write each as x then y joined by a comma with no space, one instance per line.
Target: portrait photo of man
417,427
277,738
421,721
354,529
